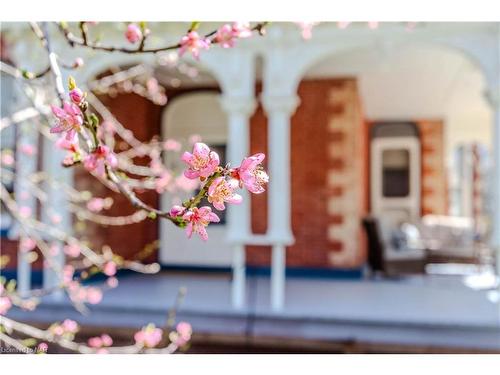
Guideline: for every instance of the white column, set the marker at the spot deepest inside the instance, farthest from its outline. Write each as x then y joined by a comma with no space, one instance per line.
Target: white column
279,109
55,211
238,109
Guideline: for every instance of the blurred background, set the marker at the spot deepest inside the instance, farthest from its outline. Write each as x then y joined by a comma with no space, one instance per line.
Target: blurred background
380,227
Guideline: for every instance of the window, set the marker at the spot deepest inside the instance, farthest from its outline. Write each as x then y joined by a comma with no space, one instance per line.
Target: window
395,173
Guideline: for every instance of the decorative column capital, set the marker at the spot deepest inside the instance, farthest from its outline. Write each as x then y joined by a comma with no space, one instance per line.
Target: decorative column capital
280,103
238,104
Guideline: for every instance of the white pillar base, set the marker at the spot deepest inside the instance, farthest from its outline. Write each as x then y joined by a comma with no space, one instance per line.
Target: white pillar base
239,277
278,269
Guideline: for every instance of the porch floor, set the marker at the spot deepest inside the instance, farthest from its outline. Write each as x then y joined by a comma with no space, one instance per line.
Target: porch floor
422,310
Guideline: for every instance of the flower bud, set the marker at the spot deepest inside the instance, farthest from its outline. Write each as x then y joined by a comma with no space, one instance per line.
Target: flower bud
76,95
133,33
176,211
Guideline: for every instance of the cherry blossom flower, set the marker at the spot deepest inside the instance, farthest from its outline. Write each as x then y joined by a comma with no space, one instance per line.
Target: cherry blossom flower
5,305
177,211
306,29
8,158
133,33
109,269
198,219
28,149
69,119
97,160
72,250
42,347
221,191
148,336
98,204
112,282
68,144
227,34
94,295
251,174
100,341
185,331
25,212
172,145
76,95
164,182
95,342
106,340
202,162
27,244
78,63
193,43
70,326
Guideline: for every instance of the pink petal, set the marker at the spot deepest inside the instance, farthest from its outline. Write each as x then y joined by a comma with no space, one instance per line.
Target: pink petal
201,149
189,230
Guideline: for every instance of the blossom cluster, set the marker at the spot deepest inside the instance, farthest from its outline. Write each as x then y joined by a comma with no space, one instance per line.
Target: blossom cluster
220,187
72,120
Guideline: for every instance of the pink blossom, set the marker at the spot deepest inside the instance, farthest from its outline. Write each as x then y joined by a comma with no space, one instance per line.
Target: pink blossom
68,144
95,342
163,183
5,305
133,33
25,212
78,63
54,249
70,326
202,162
177,210
68,272
106,128
192,42
42,347
148,336
251,174
96,204
227,34
198,219
72,250
94,295
221,191
106,340
69,119
27,244
109,269
172,145
96,161
8,159
56,218
185,330
306,29
76,95
28,149
112,282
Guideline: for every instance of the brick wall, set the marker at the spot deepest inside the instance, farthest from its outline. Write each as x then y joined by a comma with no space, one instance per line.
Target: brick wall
144,119
434,180
327,172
